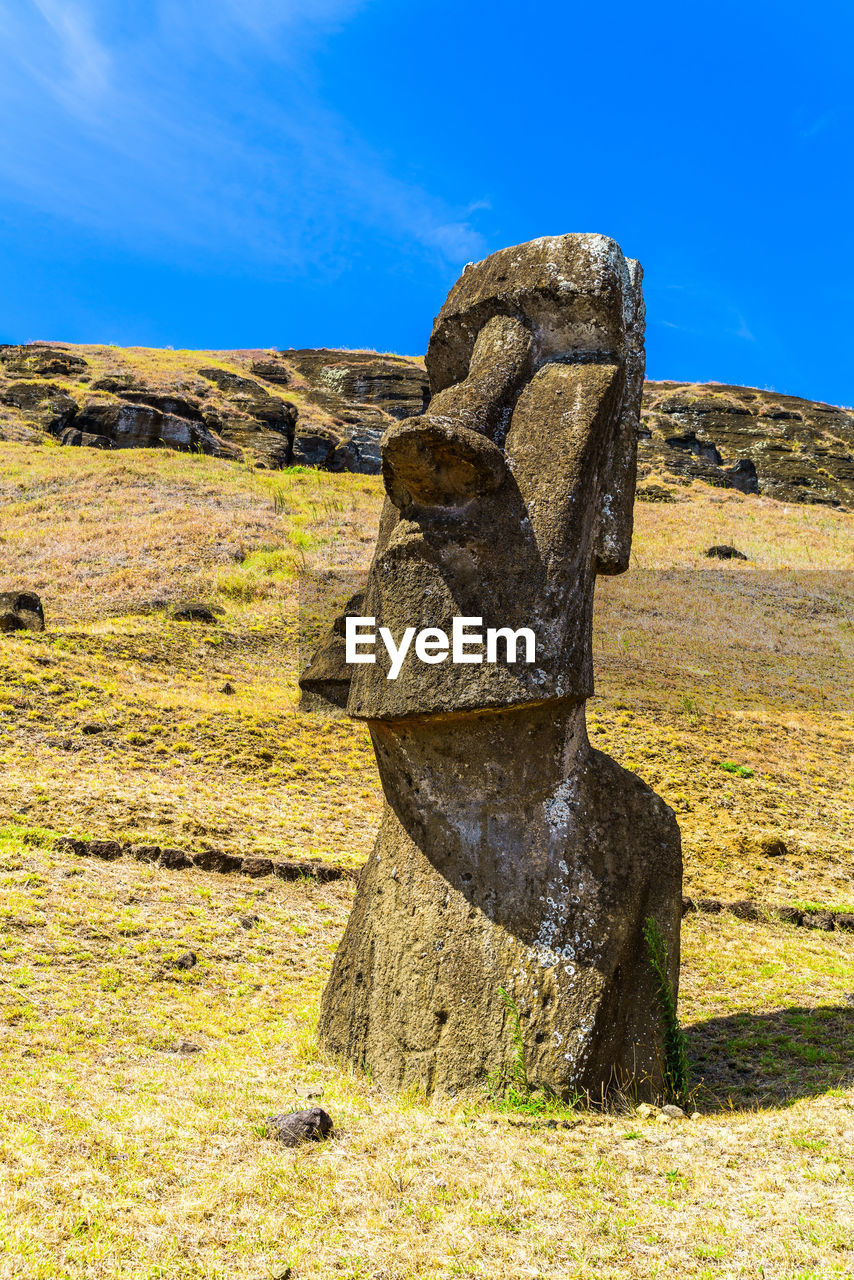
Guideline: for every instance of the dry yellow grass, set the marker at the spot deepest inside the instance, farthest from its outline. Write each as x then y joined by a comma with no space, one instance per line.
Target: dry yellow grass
124,1158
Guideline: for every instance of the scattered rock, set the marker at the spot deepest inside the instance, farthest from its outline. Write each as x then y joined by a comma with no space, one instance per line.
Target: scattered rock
845,920
248,921
300,1126
645,1110
790,915
92,727
74,438
725,552
186,1047
744,909
710,906
21,611
34,360
654,493
272,369
187,961
195,611
773,847
675,1113
107,850
695,1115
145,852
257,867
818,920
214,860
174,860
688,905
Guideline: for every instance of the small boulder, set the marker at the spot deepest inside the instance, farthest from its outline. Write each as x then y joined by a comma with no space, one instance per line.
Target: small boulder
654,493
845,920
300,1126
21,611
675,1113
195,611
725,552
187,961
819,920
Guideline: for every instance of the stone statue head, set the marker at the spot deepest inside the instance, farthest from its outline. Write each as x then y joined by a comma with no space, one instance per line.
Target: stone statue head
516,486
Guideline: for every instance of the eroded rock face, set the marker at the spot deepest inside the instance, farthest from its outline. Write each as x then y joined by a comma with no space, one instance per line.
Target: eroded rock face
512,857
21,611
757,441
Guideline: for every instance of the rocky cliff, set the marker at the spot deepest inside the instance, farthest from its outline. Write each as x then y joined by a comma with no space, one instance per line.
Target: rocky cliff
327,408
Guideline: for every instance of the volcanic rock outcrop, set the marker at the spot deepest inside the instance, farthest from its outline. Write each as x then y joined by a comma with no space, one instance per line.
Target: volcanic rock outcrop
338,404
515,866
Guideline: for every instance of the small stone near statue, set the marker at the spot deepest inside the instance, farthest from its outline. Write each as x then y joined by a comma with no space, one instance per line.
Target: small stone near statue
725,553
21,611
195,611
300,1126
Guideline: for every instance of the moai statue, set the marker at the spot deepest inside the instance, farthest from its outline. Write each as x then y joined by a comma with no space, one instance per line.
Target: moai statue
512,856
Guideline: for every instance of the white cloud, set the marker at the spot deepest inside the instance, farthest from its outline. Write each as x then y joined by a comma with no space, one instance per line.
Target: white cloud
148,124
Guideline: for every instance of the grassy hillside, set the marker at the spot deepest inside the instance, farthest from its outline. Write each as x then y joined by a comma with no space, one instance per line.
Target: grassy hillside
134,1092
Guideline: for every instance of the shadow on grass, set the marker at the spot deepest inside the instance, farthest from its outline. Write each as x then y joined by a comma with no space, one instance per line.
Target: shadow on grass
750,1059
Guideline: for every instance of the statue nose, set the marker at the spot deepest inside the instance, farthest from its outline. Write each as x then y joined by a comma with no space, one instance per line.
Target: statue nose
434,462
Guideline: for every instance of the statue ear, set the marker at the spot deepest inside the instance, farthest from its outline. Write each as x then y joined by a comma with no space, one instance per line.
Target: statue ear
617,493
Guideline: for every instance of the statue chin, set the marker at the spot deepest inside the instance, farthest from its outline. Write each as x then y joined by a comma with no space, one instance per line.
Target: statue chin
511,857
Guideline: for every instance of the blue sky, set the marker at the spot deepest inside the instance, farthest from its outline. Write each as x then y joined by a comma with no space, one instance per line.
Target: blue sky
230,173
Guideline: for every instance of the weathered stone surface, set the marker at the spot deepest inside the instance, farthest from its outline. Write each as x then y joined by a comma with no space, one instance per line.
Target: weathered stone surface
40,361
512,858
756,441
42,404
400,388
73,438
21,611
725,552
300,1126
325,682
733,437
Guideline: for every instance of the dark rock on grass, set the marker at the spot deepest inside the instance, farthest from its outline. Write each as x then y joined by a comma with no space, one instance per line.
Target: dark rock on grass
744,909
145,852
67,844
185,962
74,438
789,915
654,493
272,370
196,611
819,920
21,611
688,904
773,847
710,905
845,920
228,688
106,850
257,867
42,362
92,727
725,552
300,1126
214,860
174,860
248,922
